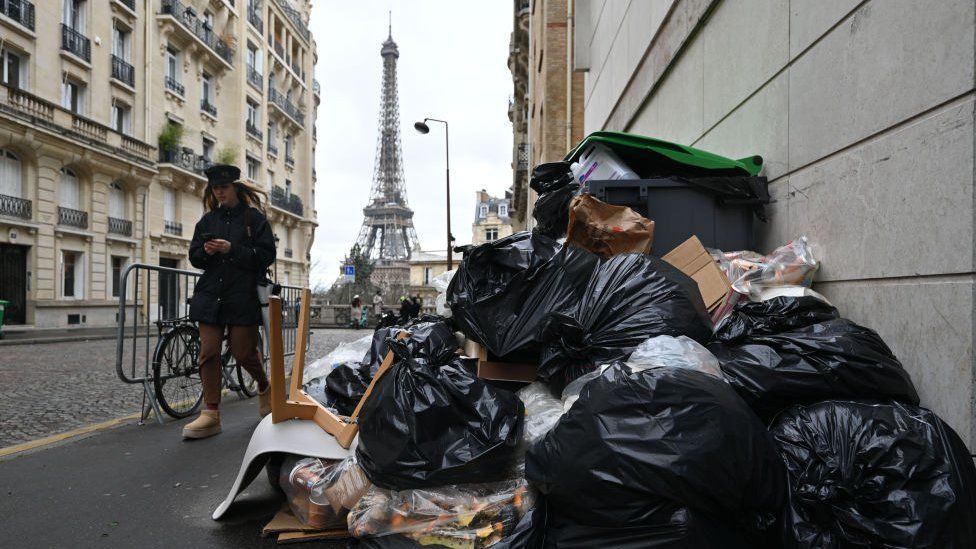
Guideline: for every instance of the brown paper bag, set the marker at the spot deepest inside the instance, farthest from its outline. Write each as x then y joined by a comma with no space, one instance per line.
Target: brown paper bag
608,230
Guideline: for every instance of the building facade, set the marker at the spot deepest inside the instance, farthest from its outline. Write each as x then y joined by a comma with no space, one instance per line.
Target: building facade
424,268
108,119
547,106
492,218
864,114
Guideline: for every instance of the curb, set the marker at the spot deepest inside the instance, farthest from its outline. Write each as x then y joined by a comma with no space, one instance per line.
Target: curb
54,439
62,339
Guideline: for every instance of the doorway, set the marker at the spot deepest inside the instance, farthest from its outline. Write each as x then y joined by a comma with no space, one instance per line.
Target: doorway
13,282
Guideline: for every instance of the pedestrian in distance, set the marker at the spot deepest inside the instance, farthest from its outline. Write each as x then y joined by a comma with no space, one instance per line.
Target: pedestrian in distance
378,303
233,244
356,310
405,309
415,306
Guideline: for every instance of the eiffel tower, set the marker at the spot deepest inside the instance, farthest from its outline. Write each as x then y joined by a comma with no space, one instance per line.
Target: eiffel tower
388,236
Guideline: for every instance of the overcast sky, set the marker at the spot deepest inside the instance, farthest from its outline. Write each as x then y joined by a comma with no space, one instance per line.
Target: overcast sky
452,66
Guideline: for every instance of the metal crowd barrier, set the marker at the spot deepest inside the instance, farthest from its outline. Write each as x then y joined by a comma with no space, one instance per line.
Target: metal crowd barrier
151,298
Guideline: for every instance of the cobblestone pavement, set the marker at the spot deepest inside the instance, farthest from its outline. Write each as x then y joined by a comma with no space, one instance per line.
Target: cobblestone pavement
51,388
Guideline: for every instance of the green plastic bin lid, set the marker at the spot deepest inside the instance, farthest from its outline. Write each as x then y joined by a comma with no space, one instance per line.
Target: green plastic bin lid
649,156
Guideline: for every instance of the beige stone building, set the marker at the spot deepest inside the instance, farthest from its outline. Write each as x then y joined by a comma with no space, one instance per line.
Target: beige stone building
547,106
110,110
424,268
492,218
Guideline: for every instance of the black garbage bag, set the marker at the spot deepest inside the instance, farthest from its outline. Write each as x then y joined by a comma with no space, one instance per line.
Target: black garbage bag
788,351
865,474
345,386
627,299
428,425
556,188
504,288
637,440
672,526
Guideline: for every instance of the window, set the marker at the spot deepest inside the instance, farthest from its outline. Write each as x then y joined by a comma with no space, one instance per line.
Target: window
72,96
116,201
71,274
120,43
252,114
208,20
69,191
121,118
253,58
271,132
169,204
270,179
118,265
173,64
11,174
483,211
503,210
491,234
208,149
252,169
73,14
14,69
207,92
428,271
288,145
288,188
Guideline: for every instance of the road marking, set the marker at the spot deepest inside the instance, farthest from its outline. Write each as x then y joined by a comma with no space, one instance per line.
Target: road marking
46,441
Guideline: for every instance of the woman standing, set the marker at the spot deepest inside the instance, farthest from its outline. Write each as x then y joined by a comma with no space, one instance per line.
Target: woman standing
234,245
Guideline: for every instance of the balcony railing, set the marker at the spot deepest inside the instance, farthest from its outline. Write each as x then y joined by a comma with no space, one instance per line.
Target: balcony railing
278,48
123,71
288,202
76,43
173,85
120,226
288,253
253,131
289,160
21,11
272,149
131,4
187,17
173,228
295,17
254,18
208,108
255,78
72,218
286,106
185,158
15,207
297,70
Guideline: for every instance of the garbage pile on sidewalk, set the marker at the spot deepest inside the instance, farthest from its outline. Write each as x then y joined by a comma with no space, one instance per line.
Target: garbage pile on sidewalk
685,397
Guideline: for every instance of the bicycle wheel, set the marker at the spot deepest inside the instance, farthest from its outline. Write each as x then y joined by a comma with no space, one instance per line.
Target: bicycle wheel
248,385
176,372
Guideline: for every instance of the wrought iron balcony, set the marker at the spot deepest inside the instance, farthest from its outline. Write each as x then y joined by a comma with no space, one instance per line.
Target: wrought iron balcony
279,49
21,11
198,27
289,159
208,108
255,78
185,158
120,226
295,17
131,4
288,253
173,85
297,70
123,71
272,149
72,218
173,228
15,207
523,157
288,202
253,131
286,106
76,43
254,18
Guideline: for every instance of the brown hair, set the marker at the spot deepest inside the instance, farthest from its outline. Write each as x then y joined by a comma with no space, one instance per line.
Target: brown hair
248,194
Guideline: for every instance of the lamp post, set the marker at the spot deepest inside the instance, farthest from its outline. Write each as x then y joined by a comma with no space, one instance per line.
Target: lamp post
423,128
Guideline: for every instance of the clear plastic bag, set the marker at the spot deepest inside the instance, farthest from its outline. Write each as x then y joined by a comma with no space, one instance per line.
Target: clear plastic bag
674,352
440,283
321,492
352,351
572,391
466,515
542,411
792,264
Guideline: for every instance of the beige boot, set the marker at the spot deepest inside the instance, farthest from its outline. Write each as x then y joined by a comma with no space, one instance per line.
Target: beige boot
207,425
264,401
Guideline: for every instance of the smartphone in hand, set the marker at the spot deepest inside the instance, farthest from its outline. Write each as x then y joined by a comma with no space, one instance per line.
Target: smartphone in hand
208,236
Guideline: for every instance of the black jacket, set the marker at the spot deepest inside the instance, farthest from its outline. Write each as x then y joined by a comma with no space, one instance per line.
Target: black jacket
226,293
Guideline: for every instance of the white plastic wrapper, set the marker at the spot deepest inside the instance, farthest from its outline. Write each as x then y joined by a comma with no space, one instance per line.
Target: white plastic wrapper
792,264
440,283
572,391
674,352
542,411
352,351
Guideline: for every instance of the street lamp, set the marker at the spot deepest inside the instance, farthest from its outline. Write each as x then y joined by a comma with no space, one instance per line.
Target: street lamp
423,128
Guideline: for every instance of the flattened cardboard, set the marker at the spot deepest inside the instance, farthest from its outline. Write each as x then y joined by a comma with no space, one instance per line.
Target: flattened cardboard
498,371
299,537
691,258
291,530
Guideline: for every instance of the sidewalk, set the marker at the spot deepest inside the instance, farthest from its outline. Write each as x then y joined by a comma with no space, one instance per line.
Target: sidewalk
21,335
137,486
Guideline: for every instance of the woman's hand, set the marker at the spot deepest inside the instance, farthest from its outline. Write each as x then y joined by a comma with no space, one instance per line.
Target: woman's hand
216,246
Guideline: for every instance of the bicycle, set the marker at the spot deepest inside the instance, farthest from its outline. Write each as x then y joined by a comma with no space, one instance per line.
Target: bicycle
176,369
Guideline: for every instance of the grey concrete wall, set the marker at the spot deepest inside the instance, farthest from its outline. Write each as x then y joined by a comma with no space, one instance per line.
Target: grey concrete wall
864,112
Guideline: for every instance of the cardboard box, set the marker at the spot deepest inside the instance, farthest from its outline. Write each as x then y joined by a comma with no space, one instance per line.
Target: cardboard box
691,258
494,370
